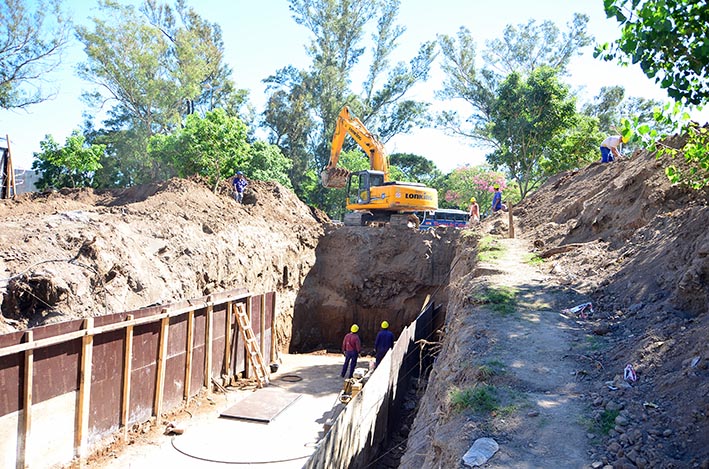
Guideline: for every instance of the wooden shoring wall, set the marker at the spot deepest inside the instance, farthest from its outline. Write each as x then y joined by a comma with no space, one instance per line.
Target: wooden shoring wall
124,368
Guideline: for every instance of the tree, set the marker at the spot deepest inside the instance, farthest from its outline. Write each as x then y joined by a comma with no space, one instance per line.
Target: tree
472,181
215,147
528,114
155,65
518,115
304,104
415,168
32,36
670,41
72,165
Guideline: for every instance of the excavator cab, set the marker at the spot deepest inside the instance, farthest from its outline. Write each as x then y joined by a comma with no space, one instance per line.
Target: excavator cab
360,184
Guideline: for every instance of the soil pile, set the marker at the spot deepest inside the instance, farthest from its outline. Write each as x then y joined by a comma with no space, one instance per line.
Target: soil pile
79,252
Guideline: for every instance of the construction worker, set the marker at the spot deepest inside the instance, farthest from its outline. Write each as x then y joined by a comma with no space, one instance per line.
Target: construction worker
240,184
496,199
351,347
610,146
383,343
473,212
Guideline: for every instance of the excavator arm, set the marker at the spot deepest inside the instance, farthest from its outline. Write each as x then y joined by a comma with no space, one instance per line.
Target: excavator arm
347,123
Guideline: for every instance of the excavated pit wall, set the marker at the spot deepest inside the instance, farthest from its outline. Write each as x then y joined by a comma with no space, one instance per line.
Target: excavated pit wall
365,275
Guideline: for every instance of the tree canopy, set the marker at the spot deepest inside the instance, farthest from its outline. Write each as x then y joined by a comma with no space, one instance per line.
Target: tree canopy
72,165
32,36
670,41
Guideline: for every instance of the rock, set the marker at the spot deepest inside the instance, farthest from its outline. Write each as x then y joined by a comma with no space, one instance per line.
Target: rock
533,413
596,465
613,406
667,433
642,463
614,447
621,420
598,402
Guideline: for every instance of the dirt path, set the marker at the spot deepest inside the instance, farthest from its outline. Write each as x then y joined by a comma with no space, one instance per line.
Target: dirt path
535,343
511,368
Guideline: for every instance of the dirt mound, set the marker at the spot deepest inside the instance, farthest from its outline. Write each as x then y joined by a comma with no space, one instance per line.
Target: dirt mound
640,248
79,252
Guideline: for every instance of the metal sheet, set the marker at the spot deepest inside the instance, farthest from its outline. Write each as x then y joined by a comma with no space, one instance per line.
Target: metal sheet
263,405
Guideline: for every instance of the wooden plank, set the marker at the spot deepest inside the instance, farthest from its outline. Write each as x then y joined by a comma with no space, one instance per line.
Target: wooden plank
247,354
162,360
227,340
262,330
188,358
273,328
82,414
26,423
127,370
208,349
511,222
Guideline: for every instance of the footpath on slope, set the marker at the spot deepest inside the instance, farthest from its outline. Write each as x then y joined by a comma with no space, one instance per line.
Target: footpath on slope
511,368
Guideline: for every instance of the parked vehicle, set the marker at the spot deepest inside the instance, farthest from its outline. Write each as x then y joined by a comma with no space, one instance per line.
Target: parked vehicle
443,217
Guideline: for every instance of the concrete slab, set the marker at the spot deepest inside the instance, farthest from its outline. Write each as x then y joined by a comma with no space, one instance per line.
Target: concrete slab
285,442
262,406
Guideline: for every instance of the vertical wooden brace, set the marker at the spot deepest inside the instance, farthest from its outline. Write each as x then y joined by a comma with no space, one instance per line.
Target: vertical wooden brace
84,398
162,360
274,336
208,346
127,370
227,340
24,437
188,359
262,329
247,355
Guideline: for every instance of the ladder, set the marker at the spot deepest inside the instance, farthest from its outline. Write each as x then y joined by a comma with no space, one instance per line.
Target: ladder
253,350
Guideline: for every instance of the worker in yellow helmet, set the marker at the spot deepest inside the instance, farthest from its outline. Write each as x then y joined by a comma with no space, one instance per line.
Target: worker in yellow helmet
496,198
383,343
351,347
610,148
473,212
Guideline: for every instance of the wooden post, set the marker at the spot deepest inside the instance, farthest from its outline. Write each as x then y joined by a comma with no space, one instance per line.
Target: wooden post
127,370
247,355
273,329
82,414
208,346
188,359
162,360
227,340
511,222
263,325
26,423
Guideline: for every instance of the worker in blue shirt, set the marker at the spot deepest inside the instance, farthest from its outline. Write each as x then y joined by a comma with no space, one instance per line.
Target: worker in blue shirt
383,343
240,184
496,199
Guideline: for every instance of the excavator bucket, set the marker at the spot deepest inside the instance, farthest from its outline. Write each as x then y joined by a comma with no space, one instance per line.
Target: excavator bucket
334,177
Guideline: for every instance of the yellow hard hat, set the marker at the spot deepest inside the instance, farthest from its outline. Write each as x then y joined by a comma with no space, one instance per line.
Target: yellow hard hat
472,199
496,186
385,325
354,328
625,139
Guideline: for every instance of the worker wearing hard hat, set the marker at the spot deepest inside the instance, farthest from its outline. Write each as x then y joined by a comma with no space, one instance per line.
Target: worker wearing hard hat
351,347
496,198
383,343
473,212
610,148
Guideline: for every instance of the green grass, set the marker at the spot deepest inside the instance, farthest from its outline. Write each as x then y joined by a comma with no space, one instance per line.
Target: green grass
533,259
502,300
607,421
477,399
489,249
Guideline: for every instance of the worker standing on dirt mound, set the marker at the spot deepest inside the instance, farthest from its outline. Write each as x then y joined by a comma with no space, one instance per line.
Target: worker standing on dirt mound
240,184
609,148
351,347
473,212
383,343
496,199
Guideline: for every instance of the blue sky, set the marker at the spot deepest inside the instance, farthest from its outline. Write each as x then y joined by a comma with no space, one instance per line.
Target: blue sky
260,37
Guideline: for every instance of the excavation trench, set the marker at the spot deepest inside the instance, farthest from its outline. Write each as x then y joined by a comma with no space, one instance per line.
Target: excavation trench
364,276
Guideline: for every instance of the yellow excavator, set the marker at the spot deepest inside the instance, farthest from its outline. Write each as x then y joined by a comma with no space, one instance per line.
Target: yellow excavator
371,196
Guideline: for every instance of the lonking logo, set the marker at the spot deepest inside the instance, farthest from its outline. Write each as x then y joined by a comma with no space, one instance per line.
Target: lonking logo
419,196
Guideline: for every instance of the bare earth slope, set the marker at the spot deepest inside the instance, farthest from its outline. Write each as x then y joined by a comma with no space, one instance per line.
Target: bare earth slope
80,253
